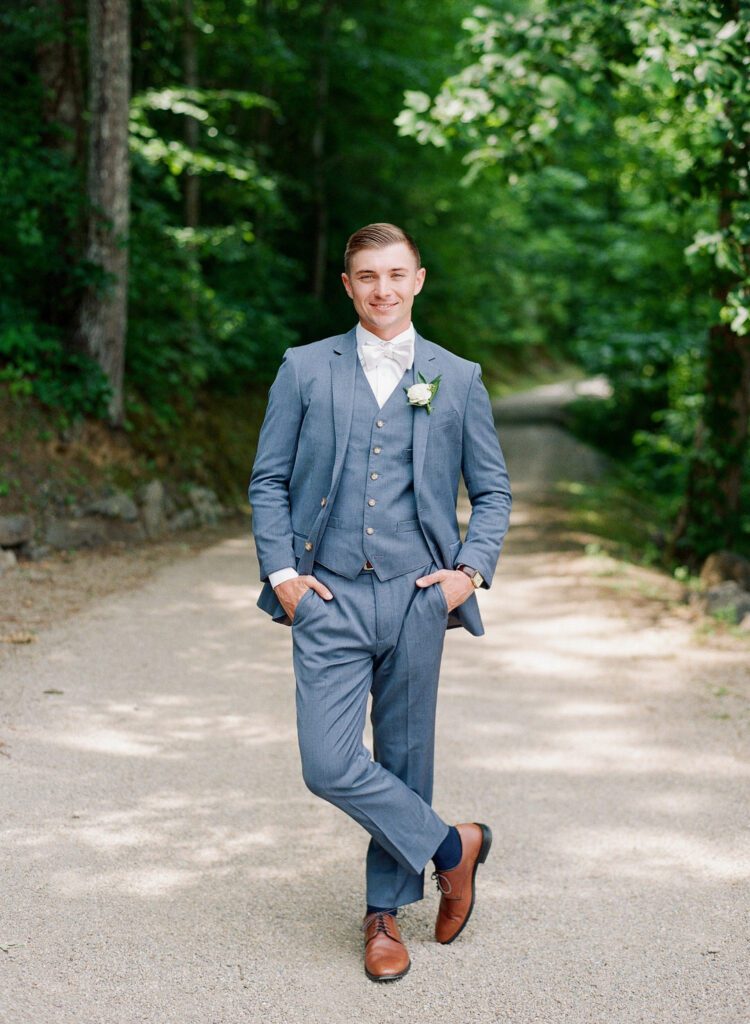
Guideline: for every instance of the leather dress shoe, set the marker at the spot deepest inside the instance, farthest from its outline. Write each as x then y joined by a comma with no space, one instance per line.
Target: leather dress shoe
386,956
457,886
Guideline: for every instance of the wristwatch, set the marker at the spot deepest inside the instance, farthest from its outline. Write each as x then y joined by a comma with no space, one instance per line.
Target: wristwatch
474,575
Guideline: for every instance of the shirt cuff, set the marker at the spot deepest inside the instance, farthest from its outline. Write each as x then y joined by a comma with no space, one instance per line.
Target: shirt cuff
282,575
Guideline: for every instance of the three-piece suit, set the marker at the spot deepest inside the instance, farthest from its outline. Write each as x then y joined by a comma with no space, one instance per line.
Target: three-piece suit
340,483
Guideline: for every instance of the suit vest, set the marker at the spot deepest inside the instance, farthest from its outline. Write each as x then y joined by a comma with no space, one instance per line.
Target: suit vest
374,515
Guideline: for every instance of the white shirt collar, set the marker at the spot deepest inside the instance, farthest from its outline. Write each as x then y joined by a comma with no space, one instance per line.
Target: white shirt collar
365,337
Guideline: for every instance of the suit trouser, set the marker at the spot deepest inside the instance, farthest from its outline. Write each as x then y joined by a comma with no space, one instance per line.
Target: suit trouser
385,638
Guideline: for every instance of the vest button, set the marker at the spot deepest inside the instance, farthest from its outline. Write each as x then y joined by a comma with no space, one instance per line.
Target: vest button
377,450
371,501
323,501
308,545
373,476
379,423
369,530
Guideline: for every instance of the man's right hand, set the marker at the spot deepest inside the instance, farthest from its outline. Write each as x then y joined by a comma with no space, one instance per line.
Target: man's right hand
290,592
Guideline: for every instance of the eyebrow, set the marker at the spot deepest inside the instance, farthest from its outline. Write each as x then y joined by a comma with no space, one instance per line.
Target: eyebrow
393,270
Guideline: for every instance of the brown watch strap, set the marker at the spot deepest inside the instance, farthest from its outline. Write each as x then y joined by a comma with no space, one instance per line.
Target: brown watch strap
470,572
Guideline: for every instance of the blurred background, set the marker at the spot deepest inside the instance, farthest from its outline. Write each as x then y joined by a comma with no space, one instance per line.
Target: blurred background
179,177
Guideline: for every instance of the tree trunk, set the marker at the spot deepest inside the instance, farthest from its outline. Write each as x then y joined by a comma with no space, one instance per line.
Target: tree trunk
711,517
320,199
103,315
59,70
58,63
192,133
266,19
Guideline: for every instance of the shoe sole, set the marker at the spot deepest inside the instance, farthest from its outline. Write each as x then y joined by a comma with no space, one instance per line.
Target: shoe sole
387,977
484,849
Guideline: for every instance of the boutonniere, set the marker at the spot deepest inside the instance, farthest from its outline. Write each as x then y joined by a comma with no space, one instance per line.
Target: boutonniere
424,392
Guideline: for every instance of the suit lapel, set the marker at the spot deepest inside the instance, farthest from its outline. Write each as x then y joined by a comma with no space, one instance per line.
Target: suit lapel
343,367
424,363
343,370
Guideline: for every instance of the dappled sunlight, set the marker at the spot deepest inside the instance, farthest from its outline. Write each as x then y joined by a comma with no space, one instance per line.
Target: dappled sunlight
108,741
233,598
152,883
162,724
681,801
586,709
646,853
165,841
164,777
594,754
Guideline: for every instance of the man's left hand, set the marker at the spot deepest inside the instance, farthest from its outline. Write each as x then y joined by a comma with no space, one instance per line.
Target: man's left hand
457,586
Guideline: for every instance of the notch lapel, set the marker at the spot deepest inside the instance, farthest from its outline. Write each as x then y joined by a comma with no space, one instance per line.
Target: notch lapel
343,370
424,363
343,366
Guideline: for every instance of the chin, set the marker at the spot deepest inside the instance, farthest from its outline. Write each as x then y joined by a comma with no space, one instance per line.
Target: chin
385,319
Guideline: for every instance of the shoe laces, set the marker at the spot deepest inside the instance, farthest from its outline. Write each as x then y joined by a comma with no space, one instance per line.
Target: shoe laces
381,925
443,884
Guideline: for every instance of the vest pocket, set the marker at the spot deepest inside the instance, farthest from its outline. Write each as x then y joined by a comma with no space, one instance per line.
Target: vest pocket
343,523
407,525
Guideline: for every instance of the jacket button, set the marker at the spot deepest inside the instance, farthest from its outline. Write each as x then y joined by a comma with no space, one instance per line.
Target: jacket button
370,501
377,450
373,476
369,530
308,545
379,423
323,501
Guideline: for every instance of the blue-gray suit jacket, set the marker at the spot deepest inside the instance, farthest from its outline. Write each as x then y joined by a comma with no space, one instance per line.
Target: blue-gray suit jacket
301,451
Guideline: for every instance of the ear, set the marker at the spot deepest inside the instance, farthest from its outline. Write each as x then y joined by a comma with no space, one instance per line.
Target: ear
421,274
347,285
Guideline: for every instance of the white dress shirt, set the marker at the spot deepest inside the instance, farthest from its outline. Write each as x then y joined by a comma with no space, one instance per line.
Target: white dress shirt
382,379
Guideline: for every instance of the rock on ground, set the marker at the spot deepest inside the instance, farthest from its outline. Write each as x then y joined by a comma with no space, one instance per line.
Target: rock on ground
15,530
153,509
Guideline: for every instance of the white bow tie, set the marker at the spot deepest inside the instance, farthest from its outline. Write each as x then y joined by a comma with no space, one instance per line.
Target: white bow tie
402,352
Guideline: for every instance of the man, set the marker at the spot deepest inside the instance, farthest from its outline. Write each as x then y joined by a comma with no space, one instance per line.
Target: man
354,490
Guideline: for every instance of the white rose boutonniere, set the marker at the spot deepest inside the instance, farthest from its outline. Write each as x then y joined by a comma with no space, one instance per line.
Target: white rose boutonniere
424,392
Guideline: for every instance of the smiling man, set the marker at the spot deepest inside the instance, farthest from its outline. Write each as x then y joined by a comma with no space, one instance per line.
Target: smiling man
354,490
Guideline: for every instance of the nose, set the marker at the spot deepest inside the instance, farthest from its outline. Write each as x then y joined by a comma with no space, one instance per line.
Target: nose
383,288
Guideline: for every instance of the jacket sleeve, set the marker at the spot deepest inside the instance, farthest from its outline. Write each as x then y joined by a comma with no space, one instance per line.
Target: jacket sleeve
272,471
487,482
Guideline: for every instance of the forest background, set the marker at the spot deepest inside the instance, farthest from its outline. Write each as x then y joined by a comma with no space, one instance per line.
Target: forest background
178,179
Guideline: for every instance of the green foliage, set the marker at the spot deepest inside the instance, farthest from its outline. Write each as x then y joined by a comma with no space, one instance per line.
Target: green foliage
566,206
648,107
32,364
187,335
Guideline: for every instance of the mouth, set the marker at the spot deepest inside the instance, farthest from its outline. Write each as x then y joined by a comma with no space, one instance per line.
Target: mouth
383,307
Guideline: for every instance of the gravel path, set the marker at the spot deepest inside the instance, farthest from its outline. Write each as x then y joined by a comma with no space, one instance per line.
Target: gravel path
163,861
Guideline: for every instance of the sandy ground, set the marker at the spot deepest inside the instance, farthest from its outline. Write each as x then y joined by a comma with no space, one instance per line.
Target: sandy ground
163,861
37,595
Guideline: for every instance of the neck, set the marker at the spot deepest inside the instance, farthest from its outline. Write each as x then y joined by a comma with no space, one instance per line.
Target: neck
386,333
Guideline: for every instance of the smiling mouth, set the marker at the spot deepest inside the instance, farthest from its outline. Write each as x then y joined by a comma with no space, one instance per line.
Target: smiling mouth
383,307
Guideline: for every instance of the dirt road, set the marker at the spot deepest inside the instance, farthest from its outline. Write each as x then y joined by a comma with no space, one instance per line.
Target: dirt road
163,861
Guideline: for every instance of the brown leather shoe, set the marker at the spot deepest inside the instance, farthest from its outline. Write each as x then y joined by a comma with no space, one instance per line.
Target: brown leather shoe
457,885
386,957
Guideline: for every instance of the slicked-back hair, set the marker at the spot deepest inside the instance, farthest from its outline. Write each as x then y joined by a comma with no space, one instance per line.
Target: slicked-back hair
378,236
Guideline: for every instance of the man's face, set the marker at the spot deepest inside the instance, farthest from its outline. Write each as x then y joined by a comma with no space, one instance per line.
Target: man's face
382,284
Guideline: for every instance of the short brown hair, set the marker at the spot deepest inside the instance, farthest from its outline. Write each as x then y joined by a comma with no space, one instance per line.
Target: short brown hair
378,236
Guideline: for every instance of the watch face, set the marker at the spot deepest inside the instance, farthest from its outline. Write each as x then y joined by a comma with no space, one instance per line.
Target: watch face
477,579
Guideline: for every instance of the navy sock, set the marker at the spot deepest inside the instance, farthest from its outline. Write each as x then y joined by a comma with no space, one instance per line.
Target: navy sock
381,910
448,854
